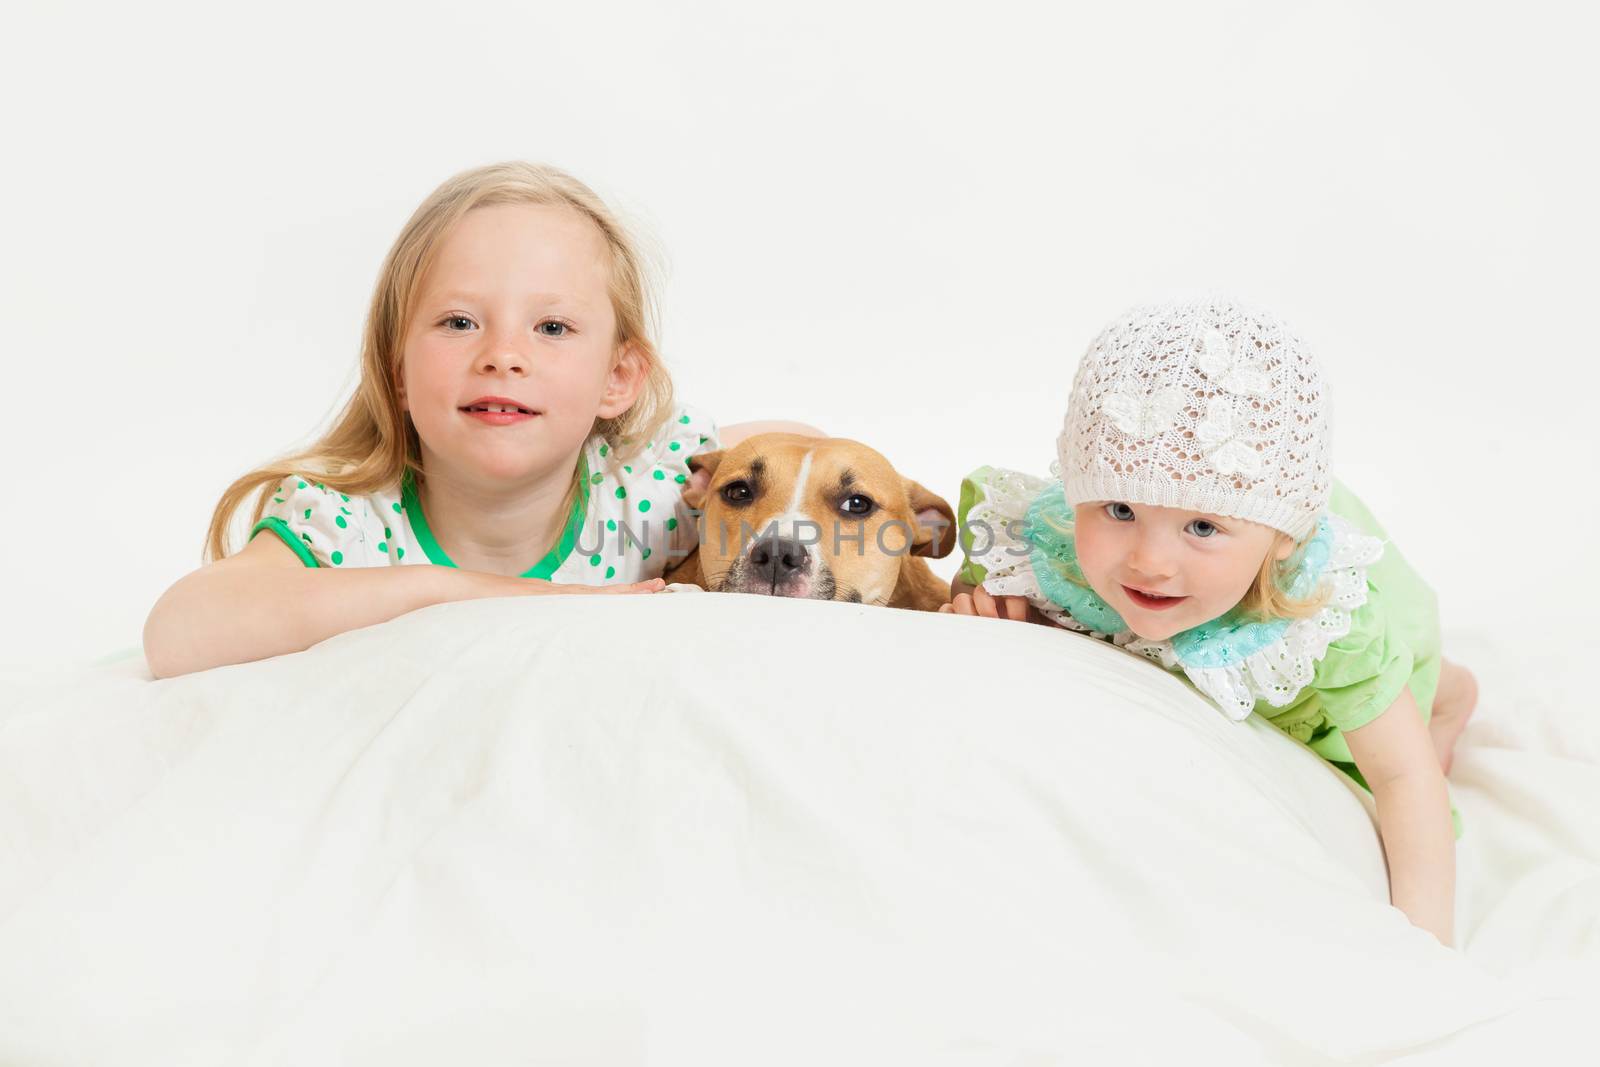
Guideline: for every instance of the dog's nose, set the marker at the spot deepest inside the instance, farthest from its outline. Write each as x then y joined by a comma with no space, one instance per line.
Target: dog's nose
777,558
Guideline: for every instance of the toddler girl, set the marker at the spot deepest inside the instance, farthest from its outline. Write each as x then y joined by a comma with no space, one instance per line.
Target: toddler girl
513,428
1194,522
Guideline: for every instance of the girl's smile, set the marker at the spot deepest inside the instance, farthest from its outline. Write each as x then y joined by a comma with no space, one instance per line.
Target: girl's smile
499,411
1153,601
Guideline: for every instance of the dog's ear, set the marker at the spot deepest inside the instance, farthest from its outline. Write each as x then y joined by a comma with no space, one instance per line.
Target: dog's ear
934,520
702,468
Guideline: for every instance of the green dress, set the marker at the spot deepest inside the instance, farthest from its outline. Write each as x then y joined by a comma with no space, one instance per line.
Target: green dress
1312,678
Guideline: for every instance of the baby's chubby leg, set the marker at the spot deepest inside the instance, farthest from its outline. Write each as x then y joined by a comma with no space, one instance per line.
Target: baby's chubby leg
1453,704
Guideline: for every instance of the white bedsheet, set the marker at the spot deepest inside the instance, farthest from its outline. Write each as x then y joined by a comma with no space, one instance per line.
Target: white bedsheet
726,829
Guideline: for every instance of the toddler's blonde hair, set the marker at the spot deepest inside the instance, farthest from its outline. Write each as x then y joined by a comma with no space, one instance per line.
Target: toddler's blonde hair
1267,599
372,443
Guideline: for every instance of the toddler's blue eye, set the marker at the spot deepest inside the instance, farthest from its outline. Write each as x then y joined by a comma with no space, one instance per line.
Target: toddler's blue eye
1201,528
458,323
1120,512
553,329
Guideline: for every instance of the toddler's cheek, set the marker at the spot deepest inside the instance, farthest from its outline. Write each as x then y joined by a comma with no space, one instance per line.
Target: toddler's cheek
1092,554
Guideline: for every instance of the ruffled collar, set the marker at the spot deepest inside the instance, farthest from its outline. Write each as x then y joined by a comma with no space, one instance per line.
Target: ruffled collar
1236,661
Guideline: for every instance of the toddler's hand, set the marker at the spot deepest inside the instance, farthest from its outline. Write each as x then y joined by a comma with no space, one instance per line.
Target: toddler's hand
980,602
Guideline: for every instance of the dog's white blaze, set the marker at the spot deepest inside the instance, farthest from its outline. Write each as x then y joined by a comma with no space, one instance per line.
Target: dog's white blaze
788,524
800,486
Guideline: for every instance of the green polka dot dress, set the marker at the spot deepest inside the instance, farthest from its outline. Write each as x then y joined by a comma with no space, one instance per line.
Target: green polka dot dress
329,528
636,523
628,523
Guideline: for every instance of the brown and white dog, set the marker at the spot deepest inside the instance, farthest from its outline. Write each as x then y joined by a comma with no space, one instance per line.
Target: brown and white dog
821,518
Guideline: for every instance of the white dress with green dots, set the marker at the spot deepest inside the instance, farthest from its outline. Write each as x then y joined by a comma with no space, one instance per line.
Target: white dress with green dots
628,523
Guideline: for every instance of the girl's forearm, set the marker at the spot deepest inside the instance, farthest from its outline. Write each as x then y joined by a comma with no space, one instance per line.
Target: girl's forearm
1399,762
1419,841
234,613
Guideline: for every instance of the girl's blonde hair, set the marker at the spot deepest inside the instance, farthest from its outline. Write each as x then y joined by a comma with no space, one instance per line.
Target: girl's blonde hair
372,443
1266,600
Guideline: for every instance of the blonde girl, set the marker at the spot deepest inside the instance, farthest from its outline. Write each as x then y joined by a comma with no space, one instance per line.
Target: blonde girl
514,433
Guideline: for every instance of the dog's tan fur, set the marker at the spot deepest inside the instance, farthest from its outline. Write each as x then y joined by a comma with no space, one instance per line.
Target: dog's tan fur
880,568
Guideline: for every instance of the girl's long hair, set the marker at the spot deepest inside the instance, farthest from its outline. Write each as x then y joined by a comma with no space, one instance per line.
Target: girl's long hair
372,443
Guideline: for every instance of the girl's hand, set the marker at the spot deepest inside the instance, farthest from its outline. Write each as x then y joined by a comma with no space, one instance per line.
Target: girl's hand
980,602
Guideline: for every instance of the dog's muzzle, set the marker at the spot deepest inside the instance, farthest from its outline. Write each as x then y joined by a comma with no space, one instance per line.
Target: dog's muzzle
780,566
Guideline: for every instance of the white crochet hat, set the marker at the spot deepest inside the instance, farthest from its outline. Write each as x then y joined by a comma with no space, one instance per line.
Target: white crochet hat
1204,406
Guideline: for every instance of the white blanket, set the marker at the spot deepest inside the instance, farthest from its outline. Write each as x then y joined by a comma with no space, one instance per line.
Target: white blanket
727,829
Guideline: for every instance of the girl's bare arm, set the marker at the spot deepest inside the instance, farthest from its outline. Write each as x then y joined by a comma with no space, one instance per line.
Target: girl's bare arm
264,602
1398,760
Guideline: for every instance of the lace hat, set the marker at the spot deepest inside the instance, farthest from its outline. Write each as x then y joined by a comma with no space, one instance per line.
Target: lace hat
1205,406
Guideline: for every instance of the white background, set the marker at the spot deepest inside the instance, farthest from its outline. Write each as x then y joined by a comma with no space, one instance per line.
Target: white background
901,224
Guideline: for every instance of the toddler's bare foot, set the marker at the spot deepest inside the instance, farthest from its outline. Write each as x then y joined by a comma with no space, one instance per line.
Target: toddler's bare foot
1453,705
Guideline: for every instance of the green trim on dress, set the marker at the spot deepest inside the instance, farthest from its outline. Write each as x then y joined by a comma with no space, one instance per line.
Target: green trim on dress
281,528
546,567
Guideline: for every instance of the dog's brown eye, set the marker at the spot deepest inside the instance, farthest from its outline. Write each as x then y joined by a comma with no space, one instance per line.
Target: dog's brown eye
857,505
738,493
